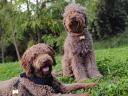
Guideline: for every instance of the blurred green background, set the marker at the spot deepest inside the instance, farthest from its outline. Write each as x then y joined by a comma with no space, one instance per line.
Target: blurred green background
27,22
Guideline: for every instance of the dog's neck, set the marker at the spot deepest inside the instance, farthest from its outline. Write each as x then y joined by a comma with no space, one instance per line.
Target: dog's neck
80,35
73,34
38,80
76,34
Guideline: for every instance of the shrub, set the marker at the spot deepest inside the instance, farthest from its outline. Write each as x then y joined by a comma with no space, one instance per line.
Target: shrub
111,19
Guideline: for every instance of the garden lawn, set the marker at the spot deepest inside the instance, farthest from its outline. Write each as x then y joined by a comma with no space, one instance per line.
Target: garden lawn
113,64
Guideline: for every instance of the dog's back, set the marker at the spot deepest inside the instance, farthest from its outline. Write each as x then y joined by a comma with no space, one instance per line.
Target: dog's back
7,86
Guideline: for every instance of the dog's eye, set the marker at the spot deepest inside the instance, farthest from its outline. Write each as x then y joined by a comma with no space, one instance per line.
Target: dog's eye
45,62
80,12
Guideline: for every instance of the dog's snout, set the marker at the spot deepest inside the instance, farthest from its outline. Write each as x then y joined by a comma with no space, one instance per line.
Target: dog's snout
73,18
45,63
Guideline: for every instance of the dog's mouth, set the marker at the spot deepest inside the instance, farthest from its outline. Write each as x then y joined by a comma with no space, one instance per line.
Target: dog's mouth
45,69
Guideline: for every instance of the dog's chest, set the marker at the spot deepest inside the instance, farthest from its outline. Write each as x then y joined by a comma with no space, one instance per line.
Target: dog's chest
80,45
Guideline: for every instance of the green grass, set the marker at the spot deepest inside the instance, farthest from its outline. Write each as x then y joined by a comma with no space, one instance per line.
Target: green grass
117,41
9,70
113,64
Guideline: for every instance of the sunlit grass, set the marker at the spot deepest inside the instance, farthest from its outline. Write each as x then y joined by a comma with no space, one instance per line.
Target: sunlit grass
112,62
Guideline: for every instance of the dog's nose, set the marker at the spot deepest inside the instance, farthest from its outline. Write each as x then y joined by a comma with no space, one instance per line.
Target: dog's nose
73,18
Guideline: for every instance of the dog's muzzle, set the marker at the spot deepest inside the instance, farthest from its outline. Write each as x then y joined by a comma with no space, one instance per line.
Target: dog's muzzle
43,63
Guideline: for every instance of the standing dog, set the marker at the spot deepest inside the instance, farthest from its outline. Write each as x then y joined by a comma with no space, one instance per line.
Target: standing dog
37,79
79,57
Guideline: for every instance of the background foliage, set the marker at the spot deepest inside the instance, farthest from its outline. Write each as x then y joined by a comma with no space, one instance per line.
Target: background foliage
24,23
111,18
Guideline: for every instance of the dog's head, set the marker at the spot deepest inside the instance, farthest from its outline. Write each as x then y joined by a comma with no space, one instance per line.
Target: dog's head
38,60
74,18
42,65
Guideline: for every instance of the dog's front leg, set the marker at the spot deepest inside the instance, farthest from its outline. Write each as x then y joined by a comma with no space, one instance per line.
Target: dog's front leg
84,94
66,63
78,68
77,86
92,69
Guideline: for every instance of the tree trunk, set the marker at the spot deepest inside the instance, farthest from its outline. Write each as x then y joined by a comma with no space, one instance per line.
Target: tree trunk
2,50
39,37
15,43
37,8
73,1
2,44
37,28
28,10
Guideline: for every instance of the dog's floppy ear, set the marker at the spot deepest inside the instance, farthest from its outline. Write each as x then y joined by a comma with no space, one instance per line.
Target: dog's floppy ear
54,61
52,55
29,70
64,24
26,64
86,21
52,51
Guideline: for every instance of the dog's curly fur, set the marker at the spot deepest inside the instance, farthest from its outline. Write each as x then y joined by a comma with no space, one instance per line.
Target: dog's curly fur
79,57
36,81
30,55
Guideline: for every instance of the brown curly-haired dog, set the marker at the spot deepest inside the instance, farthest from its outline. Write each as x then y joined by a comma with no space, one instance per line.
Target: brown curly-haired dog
79,57
31,54
37,79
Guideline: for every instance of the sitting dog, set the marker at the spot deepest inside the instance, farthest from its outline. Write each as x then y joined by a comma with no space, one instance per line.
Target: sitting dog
37,79
79,57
